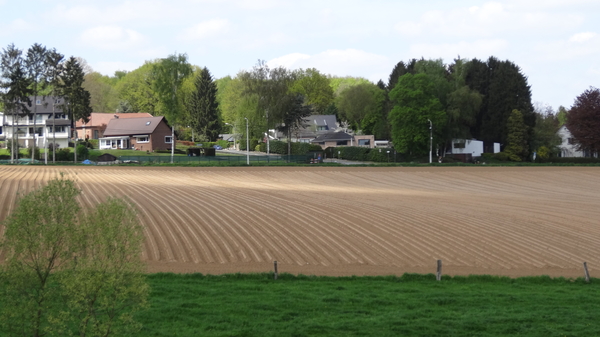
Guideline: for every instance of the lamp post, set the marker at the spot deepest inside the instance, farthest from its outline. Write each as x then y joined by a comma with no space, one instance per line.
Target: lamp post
232,130
247,144
430,139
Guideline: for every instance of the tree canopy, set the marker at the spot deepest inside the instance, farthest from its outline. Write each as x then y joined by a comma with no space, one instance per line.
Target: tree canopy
583,120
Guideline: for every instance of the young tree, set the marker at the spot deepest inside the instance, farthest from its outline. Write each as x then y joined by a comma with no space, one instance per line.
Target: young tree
583,120
68,273
15,89
168,75
415,104
545,137
203,107
517,149
37,71
294,119
363,106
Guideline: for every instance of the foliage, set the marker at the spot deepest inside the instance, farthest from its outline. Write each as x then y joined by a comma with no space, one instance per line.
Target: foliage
362,105
280,147
415,104
545,132
82,151
400,69
167,76
103,95
202,106
77,99
294,118
504,89
583,120
516,150
339,84
315,87
33,152
136,89
67,273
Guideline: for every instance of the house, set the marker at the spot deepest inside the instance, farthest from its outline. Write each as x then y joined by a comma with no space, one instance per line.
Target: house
568,147
94,128
313,126
51,124
144,133
334,139
467,149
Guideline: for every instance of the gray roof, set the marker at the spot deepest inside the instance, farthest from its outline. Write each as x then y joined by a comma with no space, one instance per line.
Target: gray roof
332,137
321,120
132,126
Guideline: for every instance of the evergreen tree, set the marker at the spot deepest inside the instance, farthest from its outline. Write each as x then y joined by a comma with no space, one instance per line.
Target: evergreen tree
400,69
517,148
203,107
76,98
37,69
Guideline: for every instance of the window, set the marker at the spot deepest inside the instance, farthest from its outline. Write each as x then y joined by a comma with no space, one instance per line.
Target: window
0,130
342,142
95,134
57,129
364,142
143,139
571,141
322,128
168,139
459,145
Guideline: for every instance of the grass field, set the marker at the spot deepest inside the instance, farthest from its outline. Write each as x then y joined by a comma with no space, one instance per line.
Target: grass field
411,305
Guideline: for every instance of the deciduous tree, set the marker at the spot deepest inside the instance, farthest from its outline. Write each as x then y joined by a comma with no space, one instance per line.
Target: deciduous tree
583,120
415,102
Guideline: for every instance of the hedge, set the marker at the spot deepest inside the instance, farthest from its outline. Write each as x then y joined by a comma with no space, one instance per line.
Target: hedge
364,154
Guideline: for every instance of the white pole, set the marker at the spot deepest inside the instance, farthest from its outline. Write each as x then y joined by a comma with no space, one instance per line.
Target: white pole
247,144
430,139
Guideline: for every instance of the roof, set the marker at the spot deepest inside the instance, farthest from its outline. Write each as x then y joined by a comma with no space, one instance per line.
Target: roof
332,137
132,126
321,120
99,118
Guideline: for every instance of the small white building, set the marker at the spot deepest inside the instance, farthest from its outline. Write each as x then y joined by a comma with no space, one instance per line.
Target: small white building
470,148
51,125
568,147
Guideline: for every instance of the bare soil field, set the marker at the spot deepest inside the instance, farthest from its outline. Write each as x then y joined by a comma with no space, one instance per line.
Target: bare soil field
513,221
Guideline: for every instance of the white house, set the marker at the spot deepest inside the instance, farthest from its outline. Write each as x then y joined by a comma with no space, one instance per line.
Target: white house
51,125
471,148
568,147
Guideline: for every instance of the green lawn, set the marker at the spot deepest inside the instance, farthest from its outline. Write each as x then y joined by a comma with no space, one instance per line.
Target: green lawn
412,305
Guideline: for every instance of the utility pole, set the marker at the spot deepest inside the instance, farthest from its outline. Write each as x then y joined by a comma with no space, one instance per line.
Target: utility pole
247,144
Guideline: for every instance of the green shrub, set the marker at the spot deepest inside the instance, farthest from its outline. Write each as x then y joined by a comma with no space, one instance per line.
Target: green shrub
223,143
37,152
82,151
64,155
92,143
314,147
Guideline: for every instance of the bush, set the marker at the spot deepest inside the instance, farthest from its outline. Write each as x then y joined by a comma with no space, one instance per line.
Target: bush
92,143
64,155
37,152
314,147
9,147
82,151
257,149
223,143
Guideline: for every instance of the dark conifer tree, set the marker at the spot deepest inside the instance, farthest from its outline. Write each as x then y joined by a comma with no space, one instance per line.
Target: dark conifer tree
203,107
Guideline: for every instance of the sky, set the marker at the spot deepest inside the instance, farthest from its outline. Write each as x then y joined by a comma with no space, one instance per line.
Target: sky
555,42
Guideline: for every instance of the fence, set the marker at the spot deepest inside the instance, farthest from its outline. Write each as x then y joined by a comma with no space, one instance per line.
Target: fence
204,160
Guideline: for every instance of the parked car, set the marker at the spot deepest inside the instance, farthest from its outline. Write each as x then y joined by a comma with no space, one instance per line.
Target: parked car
218,147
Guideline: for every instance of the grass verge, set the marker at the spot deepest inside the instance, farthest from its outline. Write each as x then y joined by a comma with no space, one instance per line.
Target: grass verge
411,305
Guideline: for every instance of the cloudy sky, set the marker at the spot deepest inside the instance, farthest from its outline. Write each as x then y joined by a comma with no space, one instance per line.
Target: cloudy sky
555,42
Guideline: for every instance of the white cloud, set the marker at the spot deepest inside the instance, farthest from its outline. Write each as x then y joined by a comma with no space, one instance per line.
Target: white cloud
205,29
112,38
487,20
347,62
582,37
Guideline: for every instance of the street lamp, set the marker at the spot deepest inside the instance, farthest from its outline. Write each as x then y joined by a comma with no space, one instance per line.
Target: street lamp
247,144
430,139
232,130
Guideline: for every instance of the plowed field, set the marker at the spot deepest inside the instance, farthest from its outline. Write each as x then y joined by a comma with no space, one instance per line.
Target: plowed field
513,221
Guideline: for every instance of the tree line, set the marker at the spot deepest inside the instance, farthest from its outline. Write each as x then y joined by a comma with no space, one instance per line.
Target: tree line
488,100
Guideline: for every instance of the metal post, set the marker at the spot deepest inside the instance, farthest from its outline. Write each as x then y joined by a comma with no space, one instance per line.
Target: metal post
247,144
430,140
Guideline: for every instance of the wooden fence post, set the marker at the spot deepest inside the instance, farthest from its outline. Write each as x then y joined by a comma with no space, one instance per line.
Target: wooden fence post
587,273
275,266
438,275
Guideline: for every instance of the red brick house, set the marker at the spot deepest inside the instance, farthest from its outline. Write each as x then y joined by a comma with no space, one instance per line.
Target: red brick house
144,134
98,121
